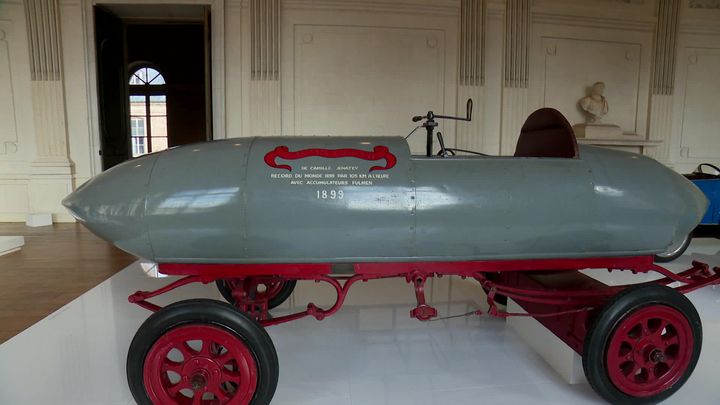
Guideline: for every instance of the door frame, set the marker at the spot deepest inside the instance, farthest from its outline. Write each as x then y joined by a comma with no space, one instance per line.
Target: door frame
217,74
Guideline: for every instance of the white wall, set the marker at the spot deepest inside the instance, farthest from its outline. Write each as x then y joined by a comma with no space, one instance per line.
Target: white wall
350,67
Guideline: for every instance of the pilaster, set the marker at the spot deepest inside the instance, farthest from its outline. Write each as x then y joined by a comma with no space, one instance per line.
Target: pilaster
516,71
51,171
663,79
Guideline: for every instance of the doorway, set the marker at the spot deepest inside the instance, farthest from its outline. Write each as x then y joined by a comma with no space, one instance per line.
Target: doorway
153,70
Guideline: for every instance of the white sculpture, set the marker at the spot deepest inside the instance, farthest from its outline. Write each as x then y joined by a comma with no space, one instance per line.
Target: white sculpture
595,105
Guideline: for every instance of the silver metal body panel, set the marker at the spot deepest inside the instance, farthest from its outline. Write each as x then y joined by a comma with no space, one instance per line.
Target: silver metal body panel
353,199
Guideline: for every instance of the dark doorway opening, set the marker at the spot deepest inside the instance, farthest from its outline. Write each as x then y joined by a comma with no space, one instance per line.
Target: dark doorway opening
153,65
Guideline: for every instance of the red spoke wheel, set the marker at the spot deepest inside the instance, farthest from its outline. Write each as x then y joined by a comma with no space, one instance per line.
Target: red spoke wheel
643,345
202,352
274,291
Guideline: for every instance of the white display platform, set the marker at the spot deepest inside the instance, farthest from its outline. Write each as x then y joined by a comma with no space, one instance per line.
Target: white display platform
554,351
9,244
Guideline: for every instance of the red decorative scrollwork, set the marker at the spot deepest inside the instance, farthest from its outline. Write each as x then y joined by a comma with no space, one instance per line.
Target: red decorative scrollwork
378,153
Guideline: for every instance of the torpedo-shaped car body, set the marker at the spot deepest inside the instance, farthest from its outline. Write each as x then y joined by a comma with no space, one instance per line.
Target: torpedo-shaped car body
354,199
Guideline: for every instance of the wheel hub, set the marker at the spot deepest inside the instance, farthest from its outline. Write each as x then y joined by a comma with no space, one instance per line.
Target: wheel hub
198,381
657,356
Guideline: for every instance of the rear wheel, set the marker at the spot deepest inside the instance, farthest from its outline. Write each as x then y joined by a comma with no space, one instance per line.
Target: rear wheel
201,352
275,292
675,250
643,345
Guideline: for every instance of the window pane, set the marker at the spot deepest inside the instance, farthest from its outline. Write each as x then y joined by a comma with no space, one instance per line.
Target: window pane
136,79
146,76
137,127
137,106
158,105
157,79
158,126
138,146
159,143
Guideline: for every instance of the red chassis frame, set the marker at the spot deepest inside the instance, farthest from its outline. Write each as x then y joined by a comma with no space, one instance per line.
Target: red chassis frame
551,290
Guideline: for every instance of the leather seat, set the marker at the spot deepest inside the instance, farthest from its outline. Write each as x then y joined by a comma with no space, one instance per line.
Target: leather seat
546,133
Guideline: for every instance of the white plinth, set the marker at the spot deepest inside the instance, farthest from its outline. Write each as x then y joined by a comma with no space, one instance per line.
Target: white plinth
9,244
39,219
554,351
598,131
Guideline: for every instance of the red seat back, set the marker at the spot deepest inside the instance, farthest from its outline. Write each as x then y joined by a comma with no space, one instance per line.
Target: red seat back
546,133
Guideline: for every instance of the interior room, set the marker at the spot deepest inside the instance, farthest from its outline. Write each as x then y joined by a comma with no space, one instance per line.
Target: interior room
359,202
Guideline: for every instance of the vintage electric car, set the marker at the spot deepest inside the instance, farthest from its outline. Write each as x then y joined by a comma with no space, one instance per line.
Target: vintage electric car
709,183
255,215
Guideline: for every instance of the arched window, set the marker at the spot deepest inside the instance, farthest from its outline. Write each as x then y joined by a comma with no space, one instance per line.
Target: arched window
148,111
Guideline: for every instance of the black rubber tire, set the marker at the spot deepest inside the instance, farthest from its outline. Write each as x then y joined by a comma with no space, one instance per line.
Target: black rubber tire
204,311
274,302
677,253
604,324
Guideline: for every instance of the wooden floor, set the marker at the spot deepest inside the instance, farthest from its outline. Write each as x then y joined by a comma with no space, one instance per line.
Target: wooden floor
57,264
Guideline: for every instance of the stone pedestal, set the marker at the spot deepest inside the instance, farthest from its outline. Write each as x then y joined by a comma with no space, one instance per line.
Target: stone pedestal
598,131
554,351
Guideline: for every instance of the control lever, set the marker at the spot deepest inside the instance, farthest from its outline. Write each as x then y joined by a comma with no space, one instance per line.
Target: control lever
430,124
443,152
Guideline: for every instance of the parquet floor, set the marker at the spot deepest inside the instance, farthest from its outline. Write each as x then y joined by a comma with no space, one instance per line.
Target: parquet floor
57,264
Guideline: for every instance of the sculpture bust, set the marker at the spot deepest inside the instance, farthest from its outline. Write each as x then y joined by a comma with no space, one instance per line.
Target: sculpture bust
595,105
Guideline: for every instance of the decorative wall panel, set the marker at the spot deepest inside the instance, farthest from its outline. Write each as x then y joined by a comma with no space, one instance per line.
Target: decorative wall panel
700,129
571,66
367,80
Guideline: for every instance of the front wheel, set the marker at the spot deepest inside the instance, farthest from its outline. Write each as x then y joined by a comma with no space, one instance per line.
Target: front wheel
201,351
643,345
675,250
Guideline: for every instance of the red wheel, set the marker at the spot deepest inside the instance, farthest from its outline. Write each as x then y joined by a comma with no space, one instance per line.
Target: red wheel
643,345
202,364
650,350
274,291
201,352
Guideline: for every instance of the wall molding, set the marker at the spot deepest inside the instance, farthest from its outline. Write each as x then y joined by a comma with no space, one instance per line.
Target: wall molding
588,21
440,7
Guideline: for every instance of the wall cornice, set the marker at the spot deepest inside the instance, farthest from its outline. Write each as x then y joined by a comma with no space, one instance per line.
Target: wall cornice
442,7
645,25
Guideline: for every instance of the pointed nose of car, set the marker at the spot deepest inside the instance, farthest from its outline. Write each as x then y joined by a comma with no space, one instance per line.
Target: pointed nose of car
112,205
